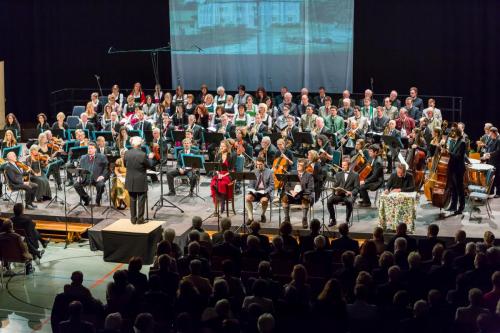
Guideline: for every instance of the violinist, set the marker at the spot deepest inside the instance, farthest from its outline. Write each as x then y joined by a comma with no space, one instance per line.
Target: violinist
314,167
14,172
42,124
456,169
9,139
46,155
425,129
182,170
261,190
375,179
417,141
267,151
37,176
242,146
119,194
325,150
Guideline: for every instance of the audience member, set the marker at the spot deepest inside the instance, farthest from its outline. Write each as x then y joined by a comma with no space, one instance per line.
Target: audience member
345,243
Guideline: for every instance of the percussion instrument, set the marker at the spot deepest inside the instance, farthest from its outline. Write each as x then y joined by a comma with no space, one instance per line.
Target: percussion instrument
478,174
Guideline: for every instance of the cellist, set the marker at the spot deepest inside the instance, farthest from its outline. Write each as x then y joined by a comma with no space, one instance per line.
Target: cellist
375,179
282,163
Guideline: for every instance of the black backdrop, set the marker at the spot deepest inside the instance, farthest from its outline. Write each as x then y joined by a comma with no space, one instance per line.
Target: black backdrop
445,47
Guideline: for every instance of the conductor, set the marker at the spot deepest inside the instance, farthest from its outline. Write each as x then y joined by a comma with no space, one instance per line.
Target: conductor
136,183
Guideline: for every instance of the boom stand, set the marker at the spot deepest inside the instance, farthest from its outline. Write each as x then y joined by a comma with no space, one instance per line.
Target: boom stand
160,203
55,199
83,173
242,176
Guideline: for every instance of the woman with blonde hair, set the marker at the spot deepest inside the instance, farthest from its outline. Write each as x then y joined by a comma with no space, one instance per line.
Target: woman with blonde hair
9,139
119,195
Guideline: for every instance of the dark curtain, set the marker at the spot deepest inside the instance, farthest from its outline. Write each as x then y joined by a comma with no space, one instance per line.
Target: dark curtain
446,47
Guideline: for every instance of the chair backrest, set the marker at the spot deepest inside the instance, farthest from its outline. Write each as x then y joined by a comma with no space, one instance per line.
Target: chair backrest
78,110
18,149
103,100
73,121
10,251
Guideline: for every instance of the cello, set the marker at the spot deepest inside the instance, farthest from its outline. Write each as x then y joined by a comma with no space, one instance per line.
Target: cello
416,160
280,166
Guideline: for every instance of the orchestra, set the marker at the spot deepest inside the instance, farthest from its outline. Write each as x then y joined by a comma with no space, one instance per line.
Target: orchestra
346,157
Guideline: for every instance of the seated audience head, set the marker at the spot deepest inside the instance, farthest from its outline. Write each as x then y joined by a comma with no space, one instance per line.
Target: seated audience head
420,309
401,229
18,209
278,243
144,323
460,236
361,292
228,236
489,238
475,297
196,222
344,229
77,278
135,264
7,226
432,230
266,323
169,235
75,310
378,234
163,247
113,322
400,244
223,307
299,274
253,242
259,288
470,248
136,141
394,273
414,260
195,267
164,262
194,248
264,269
286,229
225,223
228,267
319,242
194,236
348,259
315,226
255,227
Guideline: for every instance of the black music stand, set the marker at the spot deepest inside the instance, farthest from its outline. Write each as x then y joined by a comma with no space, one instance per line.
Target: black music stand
195,162
111,160
55,199
242,176
107,135
211,137
275,137
178,136
29,133
209,167
82,173
148,136
285,178
392,141
58,133
134,132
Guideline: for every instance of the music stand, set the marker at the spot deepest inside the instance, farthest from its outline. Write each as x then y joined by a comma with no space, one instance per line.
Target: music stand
209,167
148,136
28,133
82,173
275,137
195,162
285,178
211,137
76,152
242,176
178,136
107,135
134,132
392,141
50,167
58,133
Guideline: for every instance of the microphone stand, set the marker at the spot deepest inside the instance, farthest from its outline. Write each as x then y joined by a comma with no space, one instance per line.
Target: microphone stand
98,79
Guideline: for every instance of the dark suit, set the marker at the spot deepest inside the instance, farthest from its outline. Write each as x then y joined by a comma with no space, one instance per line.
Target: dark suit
191,174
305,197
89,126
456,170
143,126
346,113
26,224
197,132
493,148
15,180
378,124
405,183
350,184
112,126
98,166
104,151
345,243
319,101
136,182
374,181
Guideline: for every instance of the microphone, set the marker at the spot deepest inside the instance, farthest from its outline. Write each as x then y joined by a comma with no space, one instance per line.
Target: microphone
111,49
97,77
198,48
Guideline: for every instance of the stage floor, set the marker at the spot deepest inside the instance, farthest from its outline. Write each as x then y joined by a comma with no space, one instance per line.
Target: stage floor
368,217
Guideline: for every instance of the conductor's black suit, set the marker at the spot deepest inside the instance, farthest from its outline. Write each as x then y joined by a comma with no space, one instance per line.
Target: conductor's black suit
136,182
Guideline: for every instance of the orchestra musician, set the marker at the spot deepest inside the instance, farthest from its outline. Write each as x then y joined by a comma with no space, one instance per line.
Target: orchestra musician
101,146
434,144
219,186
257,131
142,124
12,124
485,138
393,149
324,110
320,128
391,110
60,124
346,94
181,170
302,193
224,127
347,109
432,120
37,174
325,150
379,122
196,129
97,166
14,172
368,96
85,124
456,169
42,124
361,120
242,119
265,116
425,129
413,112
288,102
308,119
267,151
354,133
106,115
46,148
315,168
304,104
149,108
114,103
404,123
113,125
346,184
9,139
368,110
376,177
492,157
400,181
121,138
289,132
335,123
120,197
261,190
393,98
180,118
431,107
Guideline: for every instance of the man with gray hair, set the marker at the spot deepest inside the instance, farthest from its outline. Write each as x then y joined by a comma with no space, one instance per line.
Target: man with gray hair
136,182
266,323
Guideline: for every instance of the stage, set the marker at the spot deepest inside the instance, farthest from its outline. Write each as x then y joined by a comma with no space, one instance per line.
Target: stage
181,222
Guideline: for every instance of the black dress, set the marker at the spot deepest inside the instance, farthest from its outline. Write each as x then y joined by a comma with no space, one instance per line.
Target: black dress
43,191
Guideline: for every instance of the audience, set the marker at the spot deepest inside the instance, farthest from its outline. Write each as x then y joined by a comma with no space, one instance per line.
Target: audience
253,285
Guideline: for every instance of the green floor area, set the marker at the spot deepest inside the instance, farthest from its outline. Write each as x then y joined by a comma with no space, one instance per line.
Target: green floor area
25,304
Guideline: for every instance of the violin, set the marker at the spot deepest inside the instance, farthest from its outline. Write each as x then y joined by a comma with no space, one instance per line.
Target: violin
156,150
27,170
